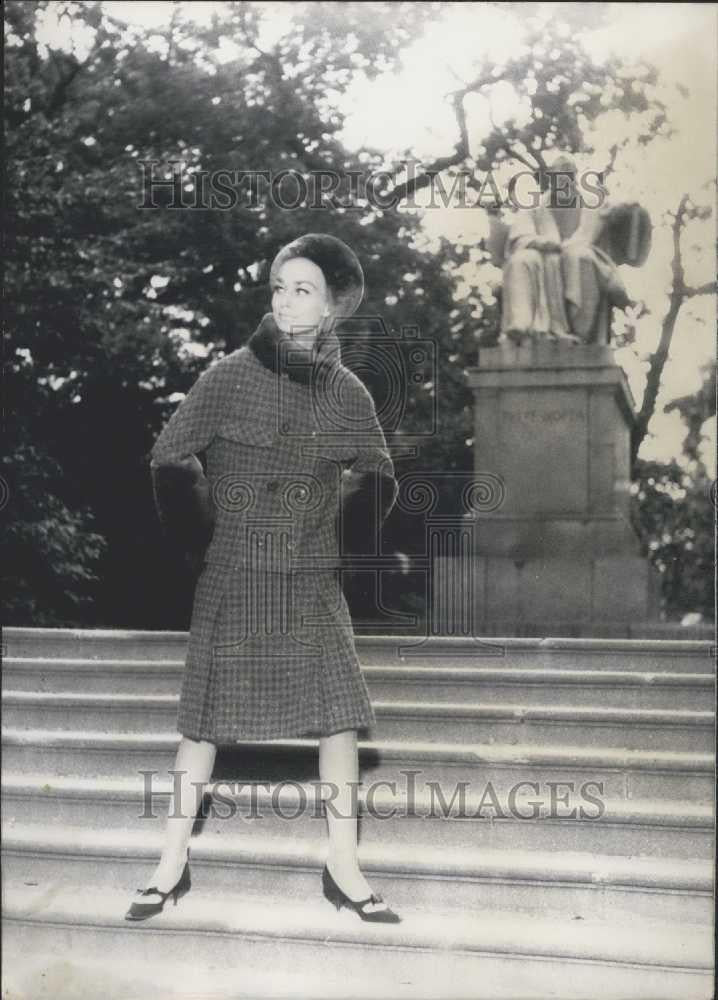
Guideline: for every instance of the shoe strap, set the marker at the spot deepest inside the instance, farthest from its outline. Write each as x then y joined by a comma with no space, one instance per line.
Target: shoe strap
374,898
146,892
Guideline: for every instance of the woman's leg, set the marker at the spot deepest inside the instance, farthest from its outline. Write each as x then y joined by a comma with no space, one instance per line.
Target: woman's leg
339,768
194,763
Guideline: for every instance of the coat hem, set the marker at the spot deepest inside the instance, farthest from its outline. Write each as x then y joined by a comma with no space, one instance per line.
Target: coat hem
299,733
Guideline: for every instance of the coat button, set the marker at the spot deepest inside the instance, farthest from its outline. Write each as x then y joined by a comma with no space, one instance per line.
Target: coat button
286,427
272,486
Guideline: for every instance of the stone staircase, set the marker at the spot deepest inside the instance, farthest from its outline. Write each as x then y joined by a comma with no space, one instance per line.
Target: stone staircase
540,811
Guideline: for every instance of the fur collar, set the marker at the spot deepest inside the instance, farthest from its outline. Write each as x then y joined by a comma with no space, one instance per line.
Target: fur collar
272,348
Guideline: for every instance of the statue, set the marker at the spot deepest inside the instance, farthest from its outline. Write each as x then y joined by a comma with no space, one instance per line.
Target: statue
559,260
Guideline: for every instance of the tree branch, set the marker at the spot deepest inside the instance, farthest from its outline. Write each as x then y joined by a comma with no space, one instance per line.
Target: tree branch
709,288
659,357
461,149
613,154
172,34
59,94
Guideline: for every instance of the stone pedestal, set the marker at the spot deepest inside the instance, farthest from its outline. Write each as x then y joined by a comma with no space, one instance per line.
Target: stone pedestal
558,555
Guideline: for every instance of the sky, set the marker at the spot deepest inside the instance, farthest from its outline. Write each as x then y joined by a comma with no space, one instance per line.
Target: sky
679,39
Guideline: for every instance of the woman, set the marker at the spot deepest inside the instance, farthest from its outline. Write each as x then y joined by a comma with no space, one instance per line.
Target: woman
291,440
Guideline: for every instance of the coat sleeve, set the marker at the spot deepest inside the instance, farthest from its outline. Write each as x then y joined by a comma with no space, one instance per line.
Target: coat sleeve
369,487
194,423
181,491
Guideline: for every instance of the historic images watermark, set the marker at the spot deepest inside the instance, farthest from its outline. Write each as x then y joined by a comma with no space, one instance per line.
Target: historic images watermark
384,800
175,184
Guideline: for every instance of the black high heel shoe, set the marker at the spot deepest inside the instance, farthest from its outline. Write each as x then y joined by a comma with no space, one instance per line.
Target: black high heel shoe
141,911
339,898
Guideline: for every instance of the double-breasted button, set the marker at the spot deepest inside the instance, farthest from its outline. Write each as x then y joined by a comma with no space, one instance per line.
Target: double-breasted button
272,485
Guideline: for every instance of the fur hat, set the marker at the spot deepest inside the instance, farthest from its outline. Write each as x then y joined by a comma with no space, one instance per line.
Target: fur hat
337,262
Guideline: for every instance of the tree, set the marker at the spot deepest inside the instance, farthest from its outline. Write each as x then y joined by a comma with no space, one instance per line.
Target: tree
49,553
113,309
675,513
680,293
560,93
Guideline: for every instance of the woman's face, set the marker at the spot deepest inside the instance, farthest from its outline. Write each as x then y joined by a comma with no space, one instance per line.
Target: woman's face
300,298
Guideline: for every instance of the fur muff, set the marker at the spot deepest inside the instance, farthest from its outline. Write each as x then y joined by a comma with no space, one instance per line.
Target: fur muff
367,499
184,505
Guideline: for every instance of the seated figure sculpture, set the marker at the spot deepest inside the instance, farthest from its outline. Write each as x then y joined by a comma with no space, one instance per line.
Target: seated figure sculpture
559,260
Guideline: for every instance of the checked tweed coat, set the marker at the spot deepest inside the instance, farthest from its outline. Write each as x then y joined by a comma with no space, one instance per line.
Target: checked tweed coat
296,462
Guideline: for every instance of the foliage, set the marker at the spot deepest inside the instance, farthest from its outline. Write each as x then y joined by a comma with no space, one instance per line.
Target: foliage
48,551
560,96
112,309
559,93
695,409
675,512
674,509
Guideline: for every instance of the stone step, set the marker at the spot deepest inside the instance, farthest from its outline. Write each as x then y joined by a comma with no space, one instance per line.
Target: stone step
101,676
258,947
577,884
620,774
94,644
547,725
633,728
624,774
468,817
625,887
488,684
637,655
